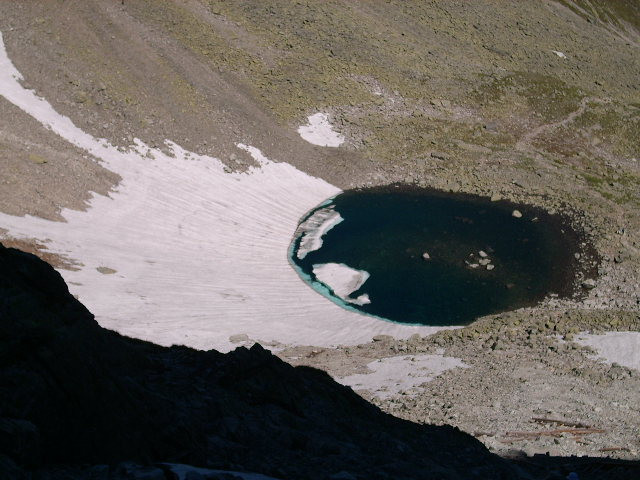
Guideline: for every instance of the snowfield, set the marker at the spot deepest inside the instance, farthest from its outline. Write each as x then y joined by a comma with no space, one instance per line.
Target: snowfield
199,254
318,131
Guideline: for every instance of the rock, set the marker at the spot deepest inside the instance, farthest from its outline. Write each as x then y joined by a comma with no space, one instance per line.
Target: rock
140,472
589,284
106,270
19,438
239,338
10,471
343,475
193,475
484,261
383,338
426,256
490,267
98,472
483,254
496,197
516,214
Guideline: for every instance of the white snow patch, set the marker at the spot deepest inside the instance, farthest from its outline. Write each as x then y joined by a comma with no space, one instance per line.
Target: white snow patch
181,471
560,54
343,280
393,375
314,228
319,131
622,348
199,254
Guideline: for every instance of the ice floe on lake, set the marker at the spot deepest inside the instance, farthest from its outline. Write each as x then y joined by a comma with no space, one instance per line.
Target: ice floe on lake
342,280
319,131
314,228
196,254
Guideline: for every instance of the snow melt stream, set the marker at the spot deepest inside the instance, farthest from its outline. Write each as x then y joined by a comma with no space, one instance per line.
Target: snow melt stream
199,254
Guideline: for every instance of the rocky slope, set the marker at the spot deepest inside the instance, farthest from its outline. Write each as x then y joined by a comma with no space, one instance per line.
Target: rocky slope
531,101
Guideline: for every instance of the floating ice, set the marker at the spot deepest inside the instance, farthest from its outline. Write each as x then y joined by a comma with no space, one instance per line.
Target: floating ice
343,280
314,228
318,131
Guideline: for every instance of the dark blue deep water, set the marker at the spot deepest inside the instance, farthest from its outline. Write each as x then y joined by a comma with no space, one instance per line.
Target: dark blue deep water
386,231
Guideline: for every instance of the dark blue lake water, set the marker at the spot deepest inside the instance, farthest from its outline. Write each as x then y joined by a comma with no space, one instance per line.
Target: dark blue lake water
419,256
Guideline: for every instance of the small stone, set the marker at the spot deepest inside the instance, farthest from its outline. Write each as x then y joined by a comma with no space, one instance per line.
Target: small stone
38,159
473,265
490,267
496,197
484,261
483,254
106,270
516,214
426,256
589,284
383,338
239,338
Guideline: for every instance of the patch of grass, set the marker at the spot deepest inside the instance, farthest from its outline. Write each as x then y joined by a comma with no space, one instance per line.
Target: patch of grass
544,96
615,124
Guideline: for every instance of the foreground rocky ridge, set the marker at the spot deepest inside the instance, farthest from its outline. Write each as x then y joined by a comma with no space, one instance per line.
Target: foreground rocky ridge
74,393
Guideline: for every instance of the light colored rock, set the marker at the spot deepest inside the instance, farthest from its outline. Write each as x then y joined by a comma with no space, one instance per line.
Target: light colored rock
383,338
426,256
239,338
516,214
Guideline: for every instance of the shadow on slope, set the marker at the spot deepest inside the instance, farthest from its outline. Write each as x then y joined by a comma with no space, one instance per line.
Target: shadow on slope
74,393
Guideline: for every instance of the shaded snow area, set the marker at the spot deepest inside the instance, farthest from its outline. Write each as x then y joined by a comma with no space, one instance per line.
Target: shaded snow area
182,470
314,228
622,348
343,280
319,131
393,375
195,255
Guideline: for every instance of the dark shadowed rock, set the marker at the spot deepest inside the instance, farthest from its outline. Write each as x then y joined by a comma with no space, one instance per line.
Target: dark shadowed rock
72,392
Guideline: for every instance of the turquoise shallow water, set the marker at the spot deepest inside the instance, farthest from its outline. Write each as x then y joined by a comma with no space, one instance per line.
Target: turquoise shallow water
482,259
